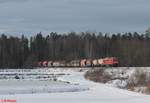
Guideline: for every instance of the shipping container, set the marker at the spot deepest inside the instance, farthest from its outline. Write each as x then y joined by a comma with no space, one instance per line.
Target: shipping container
100,61
50,63
68,64
40,64
88,62
95,62
83,63
62,63
45,63
75,63
56,64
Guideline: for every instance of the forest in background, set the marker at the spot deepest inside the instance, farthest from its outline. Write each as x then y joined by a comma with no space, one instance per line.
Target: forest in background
132,49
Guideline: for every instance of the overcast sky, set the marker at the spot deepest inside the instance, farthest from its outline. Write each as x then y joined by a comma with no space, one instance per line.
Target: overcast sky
33,16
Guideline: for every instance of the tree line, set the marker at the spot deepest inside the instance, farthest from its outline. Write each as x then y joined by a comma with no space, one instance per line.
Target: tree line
132,49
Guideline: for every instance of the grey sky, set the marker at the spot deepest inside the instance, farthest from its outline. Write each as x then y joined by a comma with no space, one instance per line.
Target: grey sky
32,16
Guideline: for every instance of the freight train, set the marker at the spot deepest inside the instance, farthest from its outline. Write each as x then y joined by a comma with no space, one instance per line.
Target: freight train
108,61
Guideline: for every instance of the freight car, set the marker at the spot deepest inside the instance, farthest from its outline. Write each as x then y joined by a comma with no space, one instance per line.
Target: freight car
83,62
95,62
50,63
88,63
56,64
45,64
39,64
75,63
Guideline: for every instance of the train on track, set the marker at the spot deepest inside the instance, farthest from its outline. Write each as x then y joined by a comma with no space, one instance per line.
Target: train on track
108,61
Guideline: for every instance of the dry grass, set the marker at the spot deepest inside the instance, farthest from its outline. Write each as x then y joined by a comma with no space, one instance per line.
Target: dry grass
139,79
131,87
97,76
148,89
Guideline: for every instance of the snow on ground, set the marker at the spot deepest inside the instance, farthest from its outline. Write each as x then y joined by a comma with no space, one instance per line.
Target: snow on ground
36,81
97,93
35,86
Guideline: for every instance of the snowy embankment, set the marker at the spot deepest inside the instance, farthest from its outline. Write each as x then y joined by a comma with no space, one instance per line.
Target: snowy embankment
97,93
136,79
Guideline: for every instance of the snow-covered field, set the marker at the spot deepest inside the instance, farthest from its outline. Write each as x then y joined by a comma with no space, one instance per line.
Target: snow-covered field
36,81
70,87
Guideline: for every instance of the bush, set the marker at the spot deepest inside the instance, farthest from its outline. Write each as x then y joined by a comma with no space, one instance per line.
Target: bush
148,89
97,75
139,79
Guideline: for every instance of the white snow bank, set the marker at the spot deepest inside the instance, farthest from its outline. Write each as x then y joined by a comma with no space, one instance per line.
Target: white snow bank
117,83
